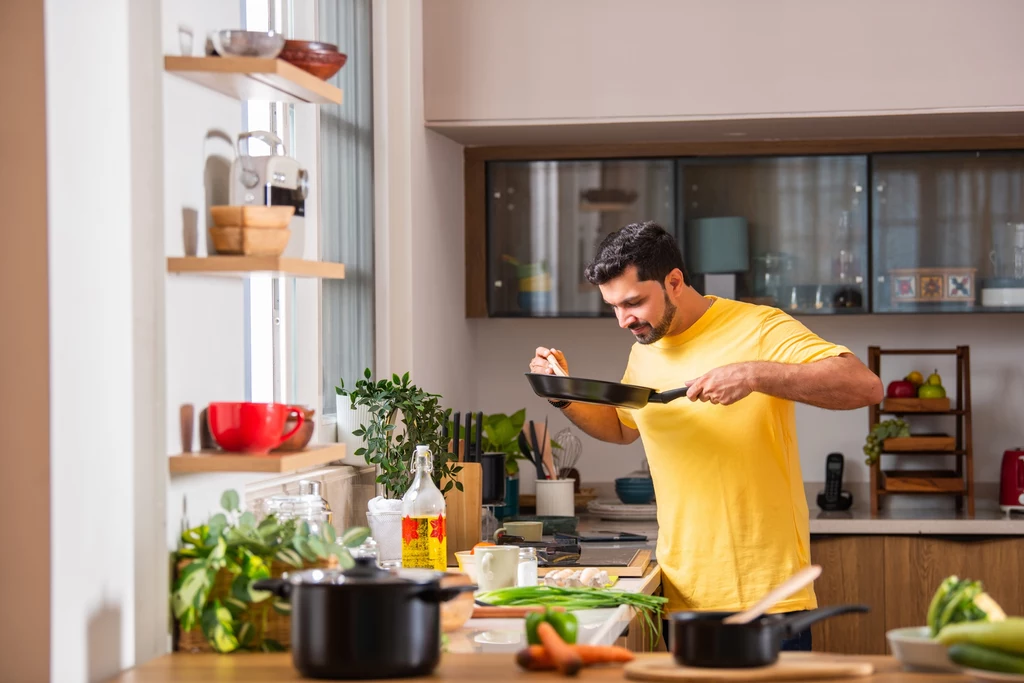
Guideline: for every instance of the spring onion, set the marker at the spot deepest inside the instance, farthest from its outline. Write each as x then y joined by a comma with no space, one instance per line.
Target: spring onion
572,599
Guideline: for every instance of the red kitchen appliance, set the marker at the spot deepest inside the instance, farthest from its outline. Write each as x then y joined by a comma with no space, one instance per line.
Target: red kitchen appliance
1011,483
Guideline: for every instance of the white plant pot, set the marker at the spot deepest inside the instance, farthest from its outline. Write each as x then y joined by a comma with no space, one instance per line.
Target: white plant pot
349,420
386,529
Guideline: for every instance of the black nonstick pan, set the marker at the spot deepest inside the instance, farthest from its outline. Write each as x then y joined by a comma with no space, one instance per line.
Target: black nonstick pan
701,639
597,391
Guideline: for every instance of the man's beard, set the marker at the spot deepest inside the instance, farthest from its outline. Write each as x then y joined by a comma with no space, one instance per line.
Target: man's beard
655,332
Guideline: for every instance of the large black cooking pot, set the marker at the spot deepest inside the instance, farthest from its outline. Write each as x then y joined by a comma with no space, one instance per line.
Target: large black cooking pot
492,487
364,622
701,639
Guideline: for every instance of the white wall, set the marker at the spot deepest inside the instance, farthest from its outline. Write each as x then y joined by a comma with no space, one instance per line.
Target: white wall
106,354
599,349
542,61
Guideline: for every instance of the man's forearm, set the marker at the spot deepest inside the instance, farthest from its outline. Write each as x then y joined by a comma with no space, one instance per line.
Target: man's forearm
840,383
600,422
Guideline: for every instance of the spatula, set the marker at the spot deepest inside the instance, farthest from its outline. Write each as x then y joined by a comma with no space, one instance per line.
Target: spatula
802,578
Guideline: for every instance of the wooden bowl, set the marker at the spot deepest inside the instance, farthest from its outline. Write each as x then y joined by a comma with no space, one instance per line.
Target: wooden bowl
249,241
323,65
309,45
301,438
252,216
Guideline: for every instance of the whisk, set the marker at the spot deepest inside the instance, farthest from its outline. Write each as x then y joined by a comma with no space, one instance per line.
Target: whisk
567,453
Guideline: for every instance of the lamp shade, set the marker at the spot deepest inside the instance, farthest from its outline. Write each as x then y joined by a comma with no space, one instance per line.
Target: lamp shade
717,245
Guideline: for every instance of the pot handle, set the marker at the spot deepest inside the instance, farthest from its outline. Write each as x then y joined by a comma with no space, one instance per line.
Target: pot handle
666,396
279,587
798,622
444,594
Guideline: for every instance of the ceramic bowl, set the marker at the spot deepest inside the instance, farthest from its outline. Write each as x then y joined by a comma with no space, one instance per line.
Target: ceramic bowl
301,438
915,649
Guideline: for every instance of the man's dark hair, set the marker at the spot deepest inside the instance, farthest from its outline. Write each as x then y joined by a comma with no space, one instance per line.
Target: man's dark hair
648,246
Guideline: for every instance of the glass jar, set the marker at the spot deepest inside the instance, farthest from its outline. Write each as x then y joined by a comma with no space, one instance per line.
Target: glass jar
307,506
424,538
527,570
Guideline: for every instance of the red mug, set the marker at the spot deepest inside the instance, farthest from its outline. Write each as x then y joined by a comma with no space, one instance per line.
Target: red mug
252,427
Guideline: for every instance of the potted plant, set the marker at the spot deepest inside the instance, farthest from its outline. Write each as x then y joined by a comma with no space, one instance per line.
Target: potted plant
216,564
401,416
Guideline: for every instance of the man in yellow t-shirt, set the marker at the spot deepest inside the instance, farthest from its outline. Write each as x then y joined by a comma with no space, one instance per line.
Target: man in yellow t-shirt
732,513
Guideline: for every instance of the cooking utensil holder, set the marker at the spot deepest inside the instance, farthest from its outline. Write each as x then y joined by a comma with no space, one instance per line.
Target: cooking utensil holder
555,497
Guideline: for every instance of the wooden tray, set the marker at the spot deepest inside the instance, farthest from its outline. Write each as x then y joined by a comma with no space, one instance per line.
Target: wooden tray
529,500
920,442
636,568
916,405
922,481
792,666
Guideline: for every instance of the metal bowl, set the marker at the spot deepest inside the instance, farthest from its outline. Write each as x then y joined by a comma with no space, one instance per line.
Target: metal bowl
235,43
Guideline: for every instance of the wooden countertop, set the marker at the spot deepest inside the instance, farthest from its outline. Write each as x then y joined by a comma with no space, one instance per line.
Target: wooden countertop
493,668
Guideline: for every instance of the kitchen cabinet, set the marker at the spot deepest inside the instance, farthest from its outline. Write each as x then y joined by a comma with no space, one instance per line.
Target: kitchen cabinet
813,228
898,575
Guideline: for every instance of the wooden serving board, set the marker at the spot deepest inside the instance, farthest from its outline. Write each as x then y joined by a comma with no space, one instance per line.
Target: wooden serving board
635,568
792,666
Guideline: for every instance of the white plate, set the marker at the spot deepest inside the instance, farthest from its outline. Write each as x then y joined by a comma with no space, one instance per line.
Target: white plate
994,676
915,649
619,512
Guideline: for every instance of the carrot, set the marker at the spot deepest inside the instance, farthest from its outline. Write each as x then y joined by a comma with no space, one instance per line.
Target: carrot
536,658
565,658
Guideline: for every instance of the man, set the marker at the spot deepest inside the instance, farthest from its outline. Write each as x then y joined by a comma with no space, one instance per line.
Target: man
732,513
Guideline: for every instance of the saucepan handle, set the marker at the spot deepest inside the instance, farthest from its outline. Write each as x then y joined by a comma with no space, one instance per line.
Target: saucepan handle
444,594
796,623
666,396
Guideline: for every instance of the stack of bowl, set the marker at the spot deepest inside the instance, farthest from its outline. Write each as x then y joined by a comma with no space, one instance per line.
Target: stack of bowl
251,230
635,490
320,59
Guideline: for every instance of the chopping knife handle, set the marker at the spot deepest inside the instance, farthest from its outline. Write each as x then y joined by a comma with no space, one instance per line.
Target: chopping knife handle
666,396
456,419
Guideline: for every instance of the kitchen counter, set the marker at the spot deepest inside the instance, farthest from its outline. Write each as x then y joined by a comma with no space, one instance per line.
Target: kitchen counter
493,668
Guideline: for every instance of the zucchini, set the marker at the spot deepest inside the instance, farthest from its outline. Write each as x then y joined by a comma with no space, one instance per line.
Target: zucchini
1006,635
972,656
939,601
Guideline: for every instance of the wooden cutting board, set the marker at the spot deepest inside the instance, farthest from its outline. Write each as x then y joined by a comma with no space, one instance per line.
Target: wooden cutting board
464,510
635,567
792,666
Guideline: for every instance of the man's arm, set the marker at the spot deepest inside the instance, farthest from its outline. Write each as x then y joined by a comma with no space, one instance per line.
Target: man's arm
839,383
600,422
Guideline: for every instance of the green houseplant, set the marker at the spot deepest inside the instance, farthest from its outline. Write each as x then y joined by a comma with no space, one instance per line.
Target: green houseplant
423,421
219,561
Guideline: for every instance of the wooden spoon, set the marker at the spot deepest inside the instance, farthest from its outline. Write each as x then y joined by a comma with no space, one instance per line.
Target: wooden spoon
556,367
802,578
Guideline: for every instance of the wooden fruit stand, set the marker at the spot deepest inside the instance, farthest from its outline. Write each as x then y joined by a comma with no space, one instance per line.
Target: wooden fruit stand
958,481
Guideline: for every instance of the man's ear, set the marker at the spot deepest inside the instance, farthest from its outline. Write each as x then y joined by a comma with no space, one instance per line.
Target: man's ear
674,281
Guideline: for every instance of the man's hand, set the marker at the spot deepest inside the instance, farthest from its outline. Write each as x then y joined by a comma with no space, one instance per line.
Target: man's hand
722,386
539,363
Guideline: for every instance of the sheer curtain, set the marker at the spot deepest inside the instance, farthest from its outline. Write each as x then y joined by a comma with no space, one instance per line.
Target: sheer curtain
346,158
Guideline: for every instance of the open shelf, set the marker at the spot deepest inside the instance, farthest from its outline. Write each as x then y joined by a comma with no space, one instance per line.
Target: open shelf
244,266
278,463
254,79
922,481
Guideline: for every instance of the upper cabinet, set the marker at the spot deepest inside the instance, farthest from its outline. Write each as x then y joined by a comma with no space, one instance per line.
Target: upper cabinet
812,234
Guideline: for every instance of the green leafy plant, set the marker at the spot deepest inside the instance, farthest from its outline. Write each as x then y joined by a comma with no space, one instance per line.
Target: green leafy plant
233,541
881,431
423,420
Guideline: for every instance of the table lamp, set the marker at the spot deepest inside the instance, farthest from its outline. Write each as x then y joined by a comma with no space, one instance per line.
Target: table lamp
717,249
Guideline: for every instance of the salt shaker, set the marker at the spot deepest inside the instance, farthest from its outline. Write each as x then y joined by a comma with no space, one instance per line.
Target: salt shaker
527,571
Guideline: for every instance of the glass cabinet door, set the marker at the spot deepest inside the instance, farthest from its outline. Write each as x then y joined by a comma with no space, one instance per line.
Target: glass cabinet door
789,232
948,232
546,218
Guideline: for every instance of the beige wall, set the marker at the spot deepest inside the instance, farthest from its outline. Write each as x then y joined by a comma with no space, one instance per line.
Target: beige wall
545,61
24,350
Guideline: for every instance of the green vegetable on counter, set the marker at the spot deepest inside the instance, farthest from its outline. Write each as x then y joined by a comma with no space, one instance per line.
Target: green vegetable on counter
973,656
1006,635
961,600
565,624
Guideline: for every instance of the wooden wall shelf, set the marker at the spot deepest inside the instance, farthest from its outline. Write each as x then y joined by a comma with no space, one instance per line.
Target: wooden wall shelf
245,266
920,443
277,463
254,79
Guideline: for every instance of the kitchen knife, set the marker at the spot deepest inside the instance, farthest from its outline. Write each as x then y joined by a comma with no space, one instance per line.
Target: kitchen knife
537,451
456,418
524,447
479,437
469,435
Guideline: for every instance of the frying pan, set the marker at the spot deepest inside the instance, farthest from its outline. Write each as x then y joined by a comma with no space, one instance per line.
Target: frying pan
598,391
702,639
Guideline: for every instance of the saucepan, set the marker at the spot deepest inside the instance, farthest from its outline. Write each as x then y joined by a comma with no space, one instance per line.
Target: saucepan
581,390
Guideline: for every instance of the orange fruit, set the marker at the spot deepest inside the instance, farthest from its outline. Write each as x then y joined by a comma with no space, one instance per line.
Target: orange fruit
479,545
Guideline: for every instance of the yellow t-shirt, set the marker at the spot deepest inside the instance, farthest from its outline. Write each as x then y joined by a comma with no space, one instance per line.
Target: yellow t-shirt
732,513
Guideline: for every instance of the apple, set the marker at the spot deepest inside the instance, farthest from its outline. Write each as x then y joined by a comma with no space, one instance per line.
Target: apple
900,388
931,391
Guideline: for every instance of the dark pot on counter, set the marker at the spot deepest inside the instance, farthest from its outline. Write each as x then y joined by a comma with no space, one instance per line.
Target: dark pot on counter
701,639
364,622
493,475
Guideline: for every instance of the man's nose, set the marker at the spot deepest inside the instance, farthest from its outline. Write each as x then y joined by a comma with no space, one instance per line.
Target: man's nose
625,319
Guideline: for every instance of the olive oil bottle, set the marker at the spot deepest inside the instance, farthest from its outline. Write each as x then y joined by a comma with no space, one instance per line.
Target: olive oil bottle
424,536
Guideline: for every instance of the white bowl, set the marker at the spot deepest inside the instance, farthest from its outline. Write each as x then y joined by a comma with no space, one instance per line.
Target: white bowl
914,648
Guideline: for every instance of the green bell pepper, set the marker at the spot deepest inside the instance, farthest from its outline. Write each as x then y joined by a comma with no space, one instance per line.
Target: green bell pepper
564,623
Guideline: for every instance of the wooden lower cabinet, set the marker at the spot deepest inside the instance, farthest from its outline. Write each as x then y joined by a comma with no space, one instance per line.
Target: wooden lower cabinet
896,576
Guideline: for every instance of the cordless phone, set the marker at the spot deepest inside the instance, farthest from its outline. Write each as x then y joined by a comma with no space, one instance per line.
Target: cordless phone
834,497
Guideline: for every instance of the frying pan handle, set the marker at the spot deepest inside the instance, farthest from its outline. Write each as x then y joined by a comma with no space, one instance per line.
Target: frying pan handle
666,396
796,623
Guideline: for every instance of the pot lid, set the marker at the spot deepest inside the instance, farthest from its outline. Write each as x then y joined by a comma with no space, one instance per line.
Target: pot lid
364,572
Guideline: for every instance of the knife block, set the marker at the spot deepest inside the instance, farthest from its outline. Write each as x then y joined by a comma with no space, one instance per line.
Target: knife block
464,509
